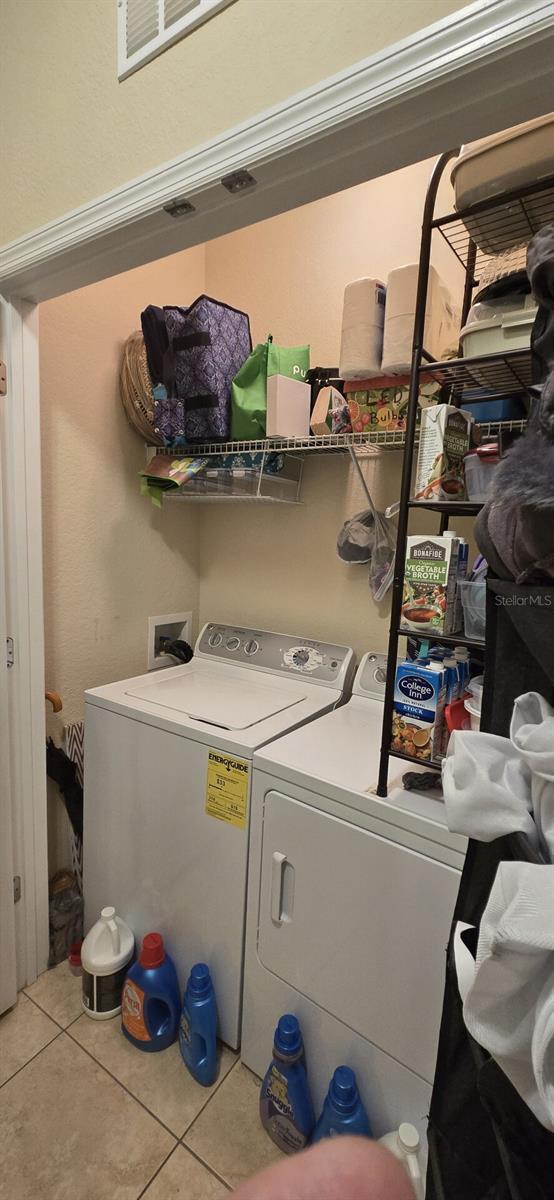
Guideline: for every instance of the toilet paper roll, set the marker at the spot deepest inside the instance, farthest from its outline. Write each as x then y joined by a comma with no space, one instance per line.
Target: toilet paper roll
363,317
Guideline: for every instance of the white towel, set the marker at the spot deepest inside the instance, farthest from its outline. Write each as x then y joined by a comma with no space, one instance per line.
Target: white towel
532,735
509,1007
487,787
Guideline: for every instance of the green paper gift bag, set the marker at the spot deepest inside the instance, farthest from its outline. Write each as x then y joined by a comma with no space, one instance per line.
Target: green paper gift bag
249,387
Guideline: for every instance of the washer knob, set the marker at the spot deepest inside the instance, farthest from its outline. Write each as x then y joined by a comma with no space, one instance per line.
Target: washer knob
301,657
233,643
252,646
215,640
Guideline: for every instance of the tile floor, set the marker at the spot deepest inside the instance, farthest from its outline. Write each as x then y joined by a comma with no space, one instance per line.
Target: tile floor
85,1116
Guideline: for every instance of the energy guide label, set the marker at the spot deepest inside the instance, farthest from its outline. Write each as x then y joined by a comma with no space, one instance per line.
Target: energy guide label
227,788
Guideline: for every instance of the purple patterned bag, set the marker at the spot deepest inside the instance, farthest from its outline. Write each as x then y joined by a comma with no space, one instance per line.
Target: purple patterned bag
208,342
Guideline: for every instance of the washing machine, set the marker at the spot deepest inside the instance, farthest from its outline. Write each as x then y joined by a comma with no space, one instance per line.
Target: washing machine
350,900
168,773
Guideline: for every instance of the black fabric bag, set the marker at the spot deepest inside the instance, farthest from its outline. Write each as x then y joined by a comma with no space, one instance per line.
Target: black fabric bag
519,655
484,1142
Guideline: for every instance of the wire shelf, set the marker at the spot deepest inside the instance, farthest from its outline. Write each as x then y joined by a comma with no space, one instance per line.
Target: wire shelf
460,508
499,224
446,639
501,374
364,444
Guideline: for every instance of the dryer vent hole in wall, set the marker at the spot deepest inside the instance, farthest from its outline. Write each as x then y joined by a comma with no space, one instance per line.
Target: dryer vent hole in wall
162,630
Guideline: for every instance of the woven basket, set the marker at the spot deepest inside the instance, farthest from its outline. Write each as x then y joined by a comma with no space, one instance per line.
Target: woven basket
136,389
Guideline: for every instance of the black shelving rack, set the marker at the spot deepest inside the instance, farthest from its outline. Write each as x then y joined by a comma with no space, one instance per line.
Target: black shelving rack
520,214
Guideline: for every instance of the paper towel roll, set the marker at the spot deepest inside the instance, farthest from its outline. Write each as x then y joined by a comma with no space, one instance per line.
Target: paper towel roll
442,321
363,317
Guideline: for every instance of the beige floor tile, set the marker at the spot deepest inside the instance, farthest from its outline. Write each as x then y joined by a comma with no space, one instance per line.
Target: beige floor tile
228,1134
161,1081
184,1178
24,1030
58,992
69,1132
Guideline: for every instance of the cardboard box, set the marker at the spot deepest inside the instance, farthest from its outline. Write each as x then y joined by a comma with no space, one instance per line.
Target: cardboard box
288,407
444,439
430,581
418,711
377,404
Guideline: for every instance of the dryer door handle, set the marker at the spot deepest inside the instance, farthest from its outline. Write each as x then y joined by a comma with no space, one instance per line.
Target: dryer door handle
277,870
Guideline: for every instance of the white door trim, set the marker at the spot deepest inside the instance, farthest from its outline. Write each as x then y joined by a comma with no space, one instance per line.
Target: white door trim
477,36
23,521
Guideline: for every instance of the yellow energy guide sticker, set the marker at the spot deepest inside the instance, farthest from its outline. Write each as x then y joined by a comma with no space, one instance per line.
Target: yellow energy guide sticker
227,788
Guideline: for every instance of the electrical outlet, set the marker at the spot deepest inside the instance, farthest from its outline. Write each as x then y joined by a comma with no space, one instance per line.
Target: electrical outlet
173,625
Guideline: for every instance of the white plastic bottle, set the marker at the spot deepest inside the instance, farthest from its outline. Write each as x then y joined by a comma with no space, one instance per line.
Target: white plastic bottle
105,956
405,1144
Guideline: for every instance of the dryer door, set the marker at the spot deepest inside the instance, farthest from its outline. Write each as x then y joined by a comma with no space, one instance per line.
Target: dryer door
358,924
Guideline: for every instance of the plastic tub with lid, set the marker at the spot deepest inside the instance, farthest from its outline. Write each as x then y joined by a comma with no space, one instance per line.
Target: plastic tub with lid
475,689
498,326
502,163
480,467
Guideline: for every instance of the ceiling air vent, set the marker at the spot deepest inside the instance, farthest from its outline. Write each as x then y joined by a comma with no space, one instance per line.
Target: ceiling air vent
146,27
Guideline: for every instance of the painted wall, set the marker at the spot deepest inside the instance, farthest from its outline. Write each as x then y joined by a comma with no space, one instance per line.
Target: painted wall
278,567
72,132
110,558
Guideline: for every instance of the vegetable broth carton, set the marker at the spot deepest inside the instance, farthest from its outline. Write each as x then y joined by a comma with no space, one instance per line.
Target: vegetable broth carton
418,710
430,581
443,441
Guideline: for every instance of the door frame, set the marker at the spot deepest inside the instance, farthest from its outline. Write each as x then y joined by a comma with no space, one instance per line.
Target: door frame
25,623
482,67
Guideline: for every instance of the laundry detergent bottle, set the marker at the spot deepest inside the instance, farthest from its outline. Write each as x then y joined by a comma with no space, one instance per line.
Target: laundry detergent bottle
405,1144
286,1109
106,953
198,1028
343,1111
151,1003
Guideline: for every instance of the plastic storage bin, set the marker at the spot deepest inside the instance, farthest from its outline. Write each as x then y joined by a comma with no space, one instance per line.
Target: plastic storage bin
472,702
505,329
473,594
243,483
478,402
502,163
479,470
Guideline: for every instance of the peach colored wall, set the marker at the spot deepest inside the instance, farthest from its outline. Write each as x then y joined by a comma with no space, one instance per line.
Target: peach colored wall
110,558
73,132
278,567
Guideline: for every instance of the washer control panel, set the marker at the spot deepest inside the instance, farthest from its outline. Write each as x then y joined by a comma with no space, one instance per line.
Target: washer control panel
322,662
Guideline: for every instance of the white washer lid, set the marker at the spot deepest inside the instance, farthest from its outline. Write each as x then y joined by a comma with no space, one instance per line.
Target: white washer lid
215,700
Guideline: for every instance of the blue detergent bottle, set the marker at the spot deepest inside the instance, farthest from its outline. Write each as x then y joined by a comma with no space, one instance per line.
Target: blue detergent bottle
198,1028
151,1001
286,1109
343,1111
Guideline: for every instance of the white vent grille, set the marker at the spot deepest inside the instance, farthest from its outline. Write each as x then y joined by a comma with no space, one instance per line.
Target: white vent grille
175,9
141,24
146,27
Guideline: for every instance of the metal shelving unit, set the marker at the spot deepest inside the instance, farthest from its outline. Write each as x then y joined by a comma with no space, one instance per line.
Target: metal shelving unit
514,217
